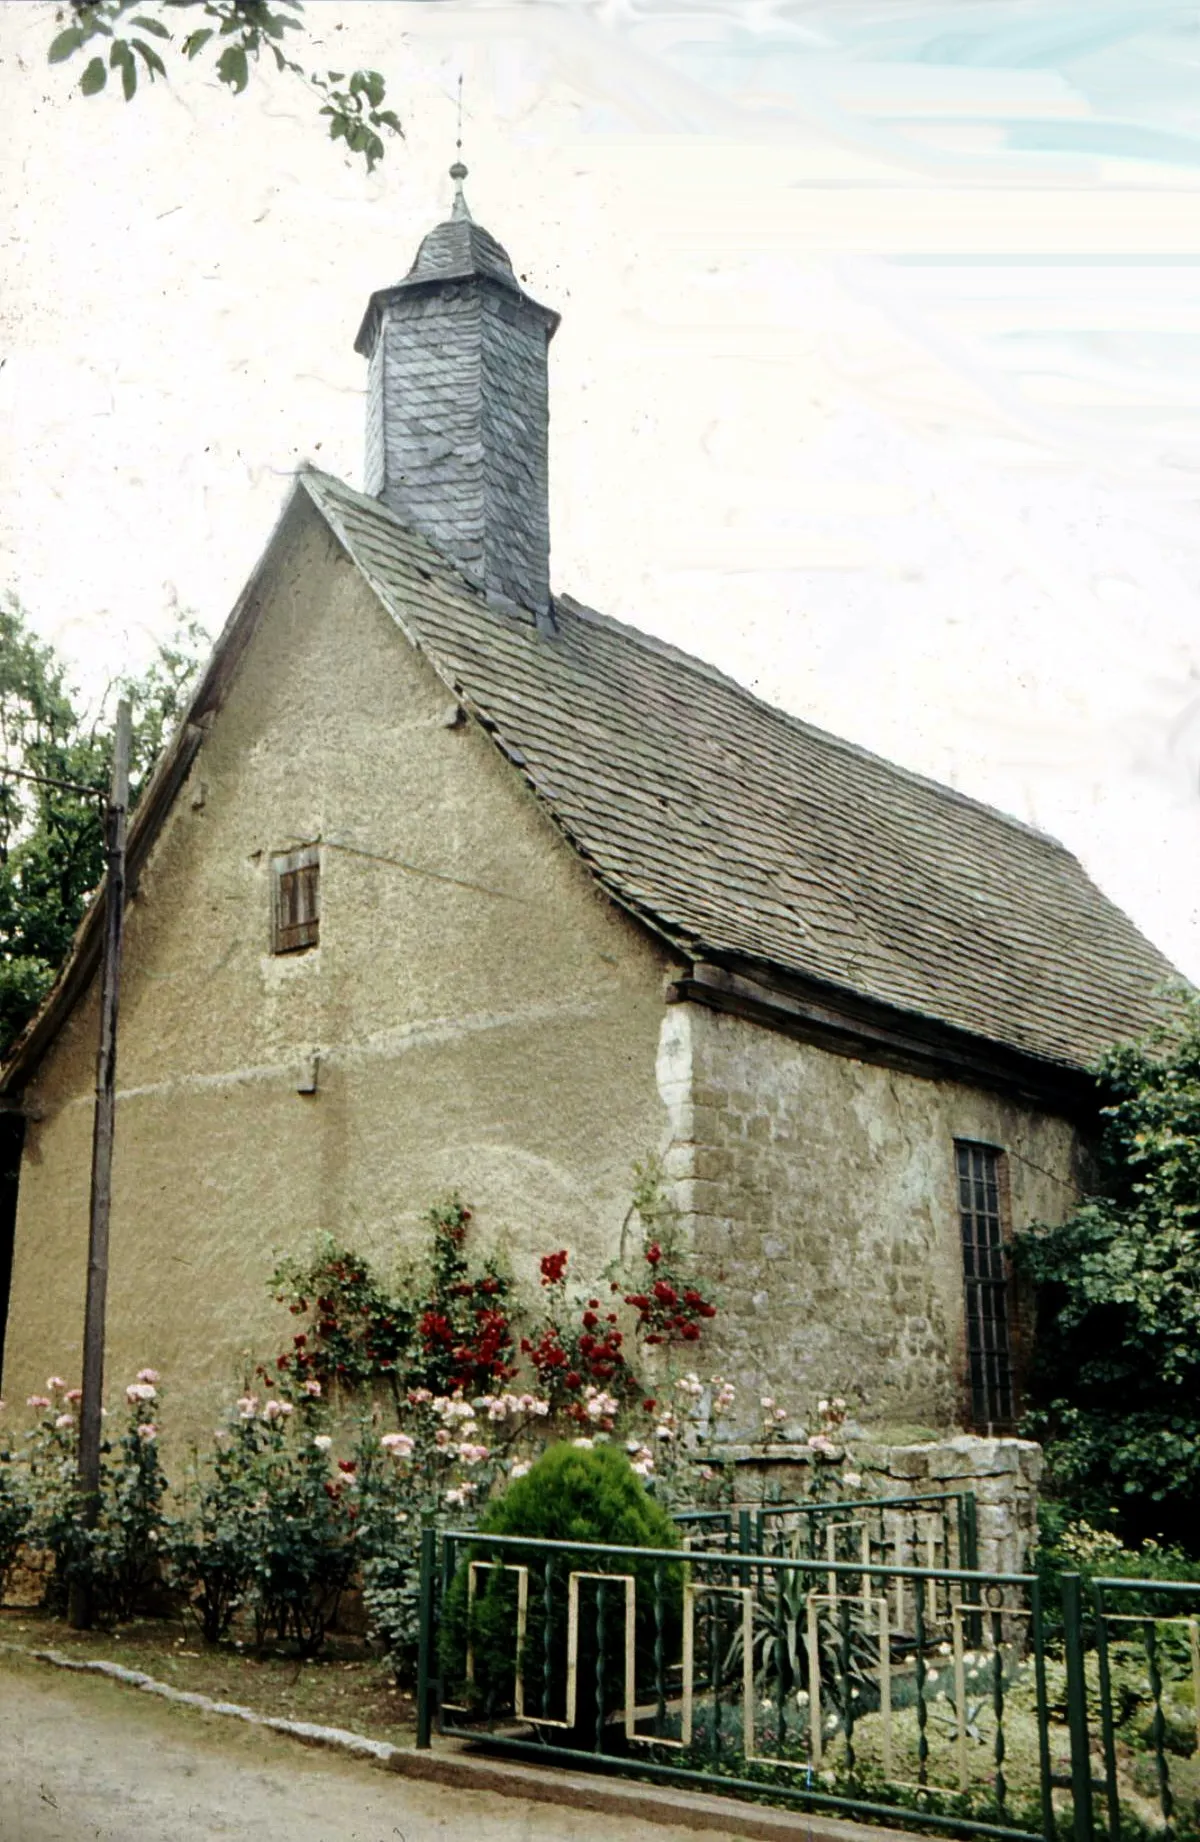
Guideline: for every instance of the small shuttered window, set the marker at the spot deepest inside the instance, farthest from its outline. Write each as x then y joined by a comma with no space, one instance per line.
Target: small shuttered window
296,899
987,1286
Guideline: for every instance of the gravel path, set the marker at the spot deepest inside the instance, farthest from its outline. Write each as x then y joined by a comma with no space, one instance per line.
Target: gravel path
84,1760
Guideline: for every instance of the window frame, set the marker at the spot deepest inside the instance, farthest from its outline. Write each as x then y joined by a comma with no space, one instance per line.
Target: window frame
991,1367
302,934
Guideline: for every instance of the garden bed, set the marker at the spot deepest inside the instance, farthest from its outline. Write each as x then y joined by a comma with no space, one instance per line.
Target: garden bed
345,1687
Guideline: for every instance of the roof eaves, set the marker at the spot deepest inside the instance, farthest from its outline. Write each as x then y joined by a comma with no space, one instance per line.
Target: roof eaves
172,770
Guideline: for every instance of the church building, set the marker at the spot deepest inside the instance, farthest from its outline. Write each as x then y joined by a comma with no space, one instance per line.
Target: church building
448,882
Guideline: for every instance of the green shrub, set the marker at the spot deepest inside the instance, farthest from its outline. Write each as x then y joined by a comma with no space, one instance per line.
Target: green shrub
269,1528
1068,1544
307,1559
574,1494
15,1513
117,1559
1117,1370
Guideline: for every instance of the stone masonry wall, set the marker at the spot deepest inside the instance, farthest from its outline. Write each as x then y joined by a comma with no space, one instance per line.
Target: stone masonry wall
1003,1475
820,1195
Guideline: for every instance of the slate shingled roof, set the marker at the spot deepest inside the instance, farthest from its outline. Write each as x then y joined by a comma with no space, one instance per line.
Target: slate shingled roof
738,831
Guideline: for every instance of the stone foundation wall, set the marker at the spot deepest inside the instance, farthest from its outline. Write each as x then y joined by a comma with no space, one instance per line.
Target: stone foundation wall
1003,1474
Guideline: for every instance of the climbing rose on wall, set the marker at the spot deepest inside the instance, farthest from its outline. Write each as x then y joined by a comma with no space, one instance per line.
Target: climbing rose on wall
578,1350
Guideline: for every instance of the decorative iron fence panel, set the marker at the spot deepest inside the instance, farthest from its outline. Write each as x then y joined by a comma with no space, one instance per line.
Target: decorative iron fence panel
899,1693
1141,1684
924,1529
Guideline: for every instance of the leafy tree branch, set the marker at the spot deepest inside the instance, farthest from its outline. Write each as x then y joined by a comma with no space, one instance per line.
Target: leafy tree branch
51,839
1118,1335
129,40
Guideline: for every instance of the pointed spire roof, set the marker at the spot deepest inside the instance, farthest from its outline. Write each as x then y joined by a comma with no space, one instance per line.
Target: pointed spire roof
458,249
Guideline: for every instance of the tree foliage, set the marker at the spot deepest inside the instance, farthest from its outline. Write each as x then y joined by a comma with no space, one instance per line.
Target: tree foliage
1118,1366
52,839
130,40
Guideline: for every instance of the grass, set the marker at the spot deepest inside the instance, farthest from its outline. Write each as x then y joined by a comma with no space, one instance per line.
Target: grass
347,1687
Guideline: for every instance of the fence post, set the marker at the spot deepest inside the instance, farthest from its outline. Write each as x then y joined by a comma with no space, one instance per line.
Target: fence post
969,1532
745,1545
1077,1715
425,1641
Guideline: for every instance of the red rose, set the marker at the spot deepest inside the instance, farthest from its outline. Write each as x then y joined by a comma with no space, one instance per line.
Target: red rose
653,1254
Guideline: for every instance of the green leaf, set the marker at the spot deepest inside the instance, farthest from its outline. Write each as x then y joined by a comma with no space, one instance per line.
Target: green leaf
154,26
276,24
375,88
94,77
387,118
196,41
154,63
65,44
233,69
121,58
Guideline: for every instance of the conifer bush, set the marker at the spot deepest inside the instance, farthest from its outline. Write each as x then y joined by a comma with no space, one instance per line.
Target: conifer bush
580,1494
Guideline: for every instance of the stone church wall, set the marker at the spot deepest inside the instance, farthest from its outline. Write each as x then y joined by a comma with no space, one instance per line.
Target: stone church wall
820,1195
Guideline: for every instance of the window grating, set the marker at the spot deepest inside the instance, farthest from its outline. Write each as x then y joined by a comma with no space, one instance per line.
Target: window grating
297,900
986,1286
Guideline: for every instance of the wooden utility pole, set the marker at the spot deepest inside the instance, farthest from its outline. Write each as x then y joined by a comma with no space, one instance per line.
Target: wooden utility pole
102,1148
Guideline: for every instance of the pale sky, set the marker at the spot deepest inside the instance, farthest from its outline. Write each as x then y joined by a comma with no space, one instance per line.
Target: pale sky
878,381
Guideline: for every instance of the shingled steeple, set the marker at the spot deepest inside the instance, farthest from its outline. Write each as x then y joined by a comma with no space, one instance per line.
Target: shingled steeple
458,408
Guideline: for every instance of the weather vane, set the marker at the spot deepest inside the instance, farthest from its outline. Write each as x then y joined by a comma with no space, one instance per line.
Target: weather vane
458,171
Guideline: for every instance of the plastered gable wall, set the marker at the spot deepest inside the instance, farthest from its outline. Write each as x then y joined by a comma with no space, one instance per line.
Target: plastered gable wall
484,1018
819,1193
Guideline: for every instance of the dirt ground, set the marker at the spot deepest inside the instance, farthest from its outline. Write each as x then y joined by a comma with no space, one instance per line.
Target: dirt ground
86,1760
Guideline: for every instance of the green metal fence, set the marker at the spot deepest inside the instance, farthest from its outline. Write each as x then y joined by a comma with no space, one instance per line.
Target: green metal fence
932,1698
1142,1688
879,1691
922,1529
927,1529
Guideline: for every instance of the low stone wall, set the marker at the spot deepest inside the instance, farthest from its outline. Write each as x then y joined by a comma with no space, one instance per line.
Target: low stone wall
1002,1473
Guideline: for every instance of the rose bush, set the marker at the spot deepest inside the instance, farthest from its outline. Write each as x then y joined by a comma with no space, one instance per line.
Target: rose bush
117,1558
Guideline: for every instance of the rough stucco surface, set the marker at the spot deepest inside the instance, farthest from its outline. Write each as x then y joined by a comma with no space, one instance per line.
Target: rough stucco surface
820,1193
485,1019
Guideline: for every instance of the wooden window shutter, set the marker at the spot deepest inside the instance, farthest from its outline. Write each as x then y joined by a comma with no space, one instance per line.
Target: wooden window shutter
297,899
